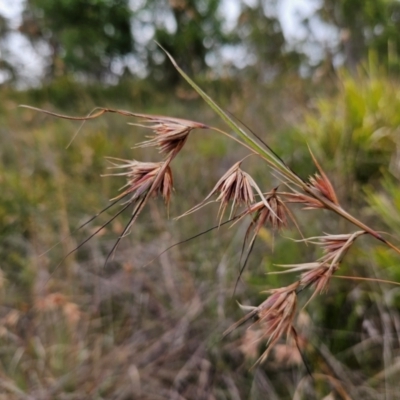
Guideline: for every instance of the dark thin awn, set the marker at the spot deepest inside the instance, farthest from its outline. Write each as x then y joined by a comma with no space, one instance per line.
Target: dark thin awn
191,238
253,240
128,225
83,225
93,234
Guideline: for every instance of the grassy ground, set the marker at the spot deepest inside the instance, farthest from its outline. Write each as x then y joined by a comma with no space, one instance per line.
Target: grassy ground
75,328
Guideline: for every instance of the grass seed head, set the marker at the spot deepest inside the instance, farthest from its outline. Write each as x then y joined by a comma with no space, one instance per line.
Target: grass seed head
319,273
324,187
335,246
269,211
170,134
274,214
319,277
234,186
141,175
274,316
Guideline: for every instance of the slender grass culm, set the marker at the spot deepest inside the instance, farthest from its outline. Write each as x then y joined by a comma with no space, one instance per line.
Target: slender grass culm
241,198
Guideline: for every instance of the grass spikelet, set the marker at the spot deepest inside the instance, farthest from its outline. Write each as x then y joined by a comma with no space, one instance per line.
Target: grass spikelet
170,134
235,186
140,176
275,316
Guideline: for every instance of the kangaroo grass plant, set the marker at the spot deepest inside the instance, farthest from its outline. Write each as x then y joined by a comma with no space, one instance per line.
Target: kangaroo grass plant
238,190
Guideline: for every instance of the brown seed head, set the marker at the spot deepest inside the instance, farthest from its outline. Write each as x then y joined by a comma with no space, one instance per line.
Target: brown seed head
170,133
236,186
271,210
275,316
319,276
324,186
318,273
141,175
335,246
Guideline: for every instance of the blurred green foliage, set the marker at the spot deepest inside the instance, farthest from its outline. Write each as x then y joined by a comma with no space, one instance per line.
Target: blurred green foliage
354,132
365,25
83,36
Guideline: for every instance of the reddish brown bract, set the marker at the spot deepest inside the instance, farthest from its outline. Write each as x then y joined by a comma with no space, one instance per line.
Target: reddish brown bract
321,183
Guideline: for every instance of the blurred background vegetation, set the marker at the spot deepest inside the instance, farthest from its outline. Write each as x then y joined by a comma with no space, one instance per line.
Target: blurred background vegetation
75,329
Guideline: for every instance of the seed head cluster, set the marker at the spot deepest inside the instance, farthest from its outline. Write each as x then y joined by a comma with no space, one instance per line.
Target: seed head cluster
318,273
276,314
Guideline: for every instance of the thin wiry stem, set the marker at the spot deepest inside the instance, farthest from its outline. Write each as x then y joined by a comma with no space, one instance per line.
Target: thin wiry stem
135,213
189,239
96,232
87,239
83,225
242,268
359,278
